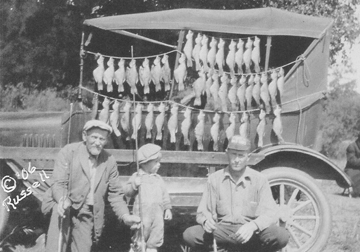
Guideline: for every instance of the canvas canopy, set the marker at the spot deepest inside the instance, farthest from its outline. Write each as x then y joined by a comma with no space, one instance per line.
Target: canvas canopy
261,21
305,82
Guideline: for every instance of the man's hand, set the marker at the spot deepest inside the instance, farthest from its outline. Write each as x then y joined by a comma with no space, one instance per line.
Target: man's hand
136,183
63,205
168,214
245,232
132,221
209,225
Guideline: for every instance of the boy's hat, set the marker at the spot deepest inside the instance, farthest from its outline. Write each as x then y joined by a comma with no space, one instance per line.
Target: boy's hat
97,124
148,152
238,142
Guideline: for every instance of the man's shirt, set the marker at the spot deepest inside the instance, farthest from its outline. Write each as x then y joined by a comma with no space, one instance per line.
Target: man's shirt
230,202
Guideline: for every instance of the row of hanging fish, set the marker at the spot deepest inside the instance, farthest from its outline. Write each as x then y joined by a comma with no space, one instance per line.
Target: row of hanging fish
159,71
135,123
208,53
244,93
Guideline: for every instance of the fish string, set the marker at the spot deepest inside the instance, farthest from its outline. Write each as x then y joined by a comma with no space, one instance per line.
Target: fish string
225,39
143,57
204,110
298,59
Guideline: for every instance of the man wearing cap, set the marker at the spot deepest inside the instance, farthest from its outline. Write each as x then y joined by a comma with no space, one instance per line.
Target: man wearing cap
154,199
352,167
83,174
237,209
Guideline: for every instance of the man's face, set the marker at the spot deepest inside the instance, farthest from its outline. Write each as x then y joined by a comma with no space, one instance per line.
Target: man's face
237,159
95,139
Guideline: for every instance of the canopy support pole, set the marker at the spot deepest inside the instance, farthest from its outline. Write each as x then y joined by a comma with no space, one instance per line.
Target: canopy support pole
82,54
268,47
137,36
179,46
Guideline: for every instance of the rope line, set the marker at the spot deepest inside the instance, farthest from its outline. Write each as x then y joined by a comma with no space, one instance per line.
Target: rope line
129,58
297,100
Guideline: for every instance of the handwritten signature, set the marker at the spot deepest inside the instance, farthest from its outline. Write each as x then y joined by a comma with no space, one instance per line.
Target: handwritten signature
9,184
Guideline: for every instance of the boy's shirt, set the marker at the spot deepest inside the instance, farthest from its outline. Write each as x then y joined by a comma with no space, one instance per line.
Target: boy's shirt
153,190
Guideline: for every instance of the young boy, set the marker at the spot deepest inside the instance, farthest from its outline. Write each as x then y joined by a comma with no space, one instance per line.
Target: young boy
155,200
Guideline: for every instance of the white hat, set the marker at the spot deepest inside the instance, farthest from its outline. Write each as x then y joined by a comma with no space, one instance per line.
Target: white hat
97,124
148,152
238,142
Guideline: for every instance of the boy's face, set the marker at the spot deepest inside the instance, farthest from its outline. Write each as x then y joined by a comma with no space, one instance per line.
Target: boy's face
152,166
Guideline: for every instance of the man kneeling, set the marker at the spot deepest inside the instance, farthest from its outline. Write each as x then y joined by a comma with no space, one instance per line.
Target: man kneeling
237,208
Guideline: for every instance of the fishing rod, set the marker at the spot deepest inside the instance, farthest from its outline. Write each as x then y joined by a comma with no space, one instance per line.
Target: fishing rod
137,169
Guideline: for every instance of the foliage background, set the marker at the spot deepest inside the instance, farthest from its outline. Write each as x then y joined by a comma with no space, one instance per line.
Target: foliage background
40,42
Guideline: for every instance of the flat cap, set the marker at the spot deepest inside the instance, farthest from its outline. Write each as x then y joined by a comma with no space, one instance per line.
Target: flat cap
97,124
238,142
148,152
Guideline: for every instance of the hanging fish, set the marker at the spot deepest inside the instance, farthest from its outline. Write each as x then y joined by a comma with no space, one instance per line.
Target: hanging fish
214,131
98,73
244,125
211,57
104,113
125,119
220,56
180,72
208,84
120,76
185,126
204,52
223,91
239,56
264,91
260,129
241,92
249,90
199,130
196,51
232,93
247,55
230,131
132,76
214,89
95,104
199,87
136,121
166,72
230,58
145,75
255,54
256,89
156,73
114,118
189,47
280,81
109,74
273,88
159,121
277,124
173,123
149,120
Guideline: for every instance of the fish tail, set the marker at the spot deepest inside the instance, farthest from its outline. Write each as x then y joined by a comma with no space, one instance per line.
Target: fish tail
197,101
181,86
189,62
148,134
117,131
215,146
146,89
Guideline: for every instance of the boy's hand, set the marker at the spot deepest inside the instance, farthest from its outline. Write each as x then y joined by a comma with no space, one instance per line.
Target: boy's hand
137,182
168,214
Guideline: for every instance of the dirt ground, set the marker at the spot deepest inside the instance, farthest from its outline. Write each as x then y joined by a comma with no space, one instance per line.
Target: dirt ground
345,234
